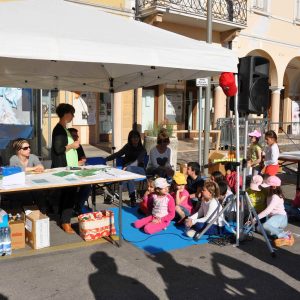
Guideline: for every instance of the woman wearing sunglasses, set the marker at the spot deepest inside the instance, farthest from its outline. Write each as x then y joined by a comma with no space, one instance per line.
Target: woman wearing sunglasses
29,163
23,158
160,157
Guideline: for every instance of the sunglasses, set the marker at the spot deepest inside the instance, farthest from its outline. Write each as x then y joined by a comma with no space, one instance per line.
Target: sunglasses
25,148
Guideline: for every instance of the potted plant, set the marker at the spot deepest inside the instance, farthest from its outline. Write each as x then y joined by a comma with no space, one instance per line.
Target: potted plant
150,139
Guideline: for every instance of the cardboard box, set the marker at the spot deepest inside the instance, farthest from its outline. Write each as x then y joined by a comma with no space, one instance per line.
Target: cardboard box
37,230
217,155
17,234
30,208
12,176
17,230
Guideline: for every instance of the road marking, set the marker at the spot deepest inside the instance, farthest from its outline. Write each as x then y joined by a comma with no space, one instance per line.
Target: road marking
69,246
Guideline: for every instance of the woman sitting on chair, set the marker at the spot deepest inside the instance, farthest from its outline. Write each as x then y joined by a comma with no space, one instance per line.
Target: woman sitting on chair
133,154
160,157
23,158
29,163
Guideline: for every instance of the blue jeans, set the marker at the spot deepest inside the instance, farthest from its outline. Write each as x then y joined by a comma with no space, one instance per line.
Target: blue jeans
130,184
275,225
83,195
213,230
293,212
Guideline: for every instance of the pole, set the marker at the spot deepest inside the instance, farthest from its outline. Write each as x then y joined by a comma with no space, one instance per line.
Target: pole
207,99
237,153
245,150
209,22
200,158
112,98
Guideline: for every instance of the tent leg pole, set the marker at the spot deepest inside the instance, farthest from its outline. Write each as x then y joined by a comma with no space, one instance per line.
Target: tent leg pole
200,158
207,126
237,150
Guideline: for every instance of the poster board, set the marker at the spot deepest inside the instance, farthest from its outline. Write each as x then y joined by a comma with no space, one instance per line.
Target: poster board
174,107
15,106
85,108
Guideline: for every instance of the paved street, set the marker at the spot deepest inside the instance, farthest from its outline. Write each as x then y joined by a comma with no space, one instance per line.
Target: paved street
199,272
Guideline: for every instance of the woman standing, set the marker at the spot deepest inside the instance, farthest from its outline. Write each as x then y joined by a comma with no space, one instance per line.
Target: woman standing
63,153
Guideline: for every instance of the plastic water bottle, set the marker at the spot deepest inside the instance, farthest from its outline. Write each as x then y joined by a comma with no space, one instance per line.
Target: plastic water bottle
6,241
1,241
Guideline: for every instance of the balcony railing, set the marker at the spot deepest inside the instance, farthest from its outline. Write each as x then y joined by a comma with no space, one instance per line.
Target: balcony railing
231,11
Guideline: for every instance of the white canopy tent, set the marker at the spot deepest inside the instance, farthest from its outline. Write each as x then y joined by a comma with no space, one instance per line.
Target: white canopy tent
49,44
57,44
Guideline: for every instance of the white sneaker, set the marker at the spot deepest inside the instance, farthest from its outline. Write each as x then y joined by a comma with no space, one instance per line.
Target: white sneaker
190,233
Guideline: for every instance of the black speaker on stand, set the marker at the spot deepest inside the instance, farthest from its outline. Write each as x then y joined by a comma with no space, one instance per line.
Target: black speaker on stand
253,85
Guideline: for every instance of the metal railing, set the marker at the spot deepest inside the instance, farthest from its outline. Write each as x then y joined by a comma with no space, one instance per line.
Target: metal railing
233,11
288,132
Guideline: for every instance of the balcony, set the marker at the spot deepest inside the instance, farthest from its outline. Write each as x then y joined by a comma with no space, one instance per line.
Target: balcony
226,14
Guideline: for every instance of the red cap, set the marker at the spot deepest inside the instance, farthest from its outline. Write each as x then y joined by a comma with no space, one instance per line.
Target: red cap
227,83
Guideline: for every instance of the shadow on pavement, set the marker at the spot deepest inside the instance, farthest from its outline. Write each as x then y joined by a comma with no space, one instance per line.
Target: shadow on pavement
3,297
285,260
231,278
106,283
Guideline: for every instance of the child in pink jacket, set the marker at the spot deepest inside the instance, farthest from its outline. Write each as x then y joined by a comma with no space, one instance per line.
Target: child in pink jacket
163,210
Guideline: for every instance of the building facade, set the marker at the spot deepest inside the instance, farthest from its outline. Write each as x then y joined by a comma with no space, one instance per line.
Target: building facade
263,28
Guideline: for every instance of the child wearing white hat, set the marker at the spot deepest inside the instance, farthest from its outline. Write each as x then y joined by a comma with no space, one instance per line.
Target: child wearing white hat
163,211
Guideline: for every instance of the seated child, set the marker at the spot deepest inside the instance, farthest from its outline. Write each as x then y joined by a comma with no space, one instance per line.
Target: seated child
146,204
194,182
293,211
225,196
210,207
183,203
257,195
230,177
163,211
216,176
275,213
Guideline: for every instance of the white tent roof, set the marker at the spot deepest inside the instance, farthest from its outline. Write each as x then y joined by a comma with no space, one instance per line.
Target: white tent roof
68,46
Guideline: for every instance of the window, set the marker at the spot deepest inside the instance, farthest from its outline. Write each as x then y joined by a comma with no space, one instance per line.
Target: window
260,5
297,15
49,97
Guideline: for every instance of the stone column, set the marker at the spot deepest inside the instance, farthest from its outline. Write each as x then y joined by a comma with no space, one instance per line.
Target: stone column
275,107
139,104
161,104
117,120
287,116
219,105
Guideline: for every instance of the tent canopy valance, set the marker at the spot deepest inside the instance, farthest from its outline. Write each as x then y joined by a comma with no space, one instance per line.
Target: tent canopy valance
60,44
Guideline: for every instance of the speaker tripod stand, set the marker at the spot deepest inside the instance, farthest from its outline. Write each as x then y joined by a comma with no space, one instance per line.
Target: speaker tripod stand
251,220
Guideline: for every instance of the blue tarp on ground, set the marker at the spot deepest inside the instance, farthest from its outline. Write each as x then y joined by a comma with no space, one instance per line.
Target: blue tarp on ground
167,240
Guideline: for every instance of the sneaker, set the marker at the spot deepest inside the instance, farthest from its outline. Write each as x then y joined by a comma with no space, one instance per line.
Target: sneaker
287,241
191,233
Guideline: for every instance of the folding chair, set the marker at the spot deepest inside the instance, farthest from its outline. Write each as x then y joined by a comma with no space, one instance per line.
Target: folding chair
106,189
141,182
